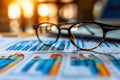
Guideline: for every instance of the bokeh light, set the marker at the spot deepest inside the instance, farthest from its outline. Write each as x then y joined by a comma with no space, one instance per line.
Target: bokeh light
28,9
52,10
14,11
68,11
43,9
14,26
66,1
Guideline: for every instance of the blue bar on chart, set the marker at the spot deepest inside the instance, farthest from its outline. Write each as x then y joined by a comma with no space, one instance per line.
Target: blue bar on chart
115,61
45,66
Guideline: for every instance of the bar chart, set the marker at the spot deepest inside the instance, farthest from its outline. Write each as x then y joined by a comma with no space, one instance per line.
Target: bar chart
60,45
90,65
7,40
41,66
7,62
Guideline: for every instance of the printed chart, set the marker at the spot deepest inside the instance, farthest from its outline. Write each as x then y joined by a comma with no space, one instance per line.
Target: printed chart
32,44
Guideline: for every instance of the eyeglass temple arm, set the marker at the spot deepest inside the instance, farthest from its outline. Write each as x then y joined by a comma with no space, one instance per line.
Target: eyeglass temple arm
108,26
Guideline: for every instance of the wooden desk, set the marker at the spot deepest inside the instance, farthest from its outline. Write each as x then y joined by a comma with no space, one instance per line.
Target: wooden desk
21,34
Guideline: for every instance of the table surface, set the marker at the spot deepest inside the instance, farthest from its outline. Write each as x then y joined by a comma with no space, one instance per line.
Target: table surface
20,34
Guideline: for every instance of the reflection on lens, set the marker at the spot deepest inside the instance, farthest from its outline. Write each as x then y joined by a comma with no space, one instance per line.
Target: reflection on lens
53,28
47,30
87,36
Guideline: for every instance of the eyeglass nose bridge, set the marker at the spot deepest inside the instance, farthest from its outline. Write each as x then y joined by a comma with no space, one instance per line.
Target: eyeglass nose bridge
64,29
71,37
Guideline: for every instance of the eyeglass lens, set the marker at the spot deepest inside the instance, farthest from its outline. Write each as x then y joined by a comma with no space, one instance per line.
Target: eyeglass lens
87,34
47,29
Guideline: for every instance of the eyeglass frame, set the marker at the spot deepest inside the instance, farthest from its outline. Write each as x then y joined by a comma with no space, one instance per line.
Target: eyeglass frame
105,28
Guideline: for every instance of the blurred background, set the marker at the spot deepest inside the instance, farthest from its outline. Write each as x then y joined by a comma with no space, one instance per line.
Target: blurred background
21,15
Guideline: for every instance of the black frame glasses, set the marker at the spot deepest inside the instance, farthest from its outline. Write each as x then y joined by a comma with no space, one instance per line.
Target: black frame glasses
105,28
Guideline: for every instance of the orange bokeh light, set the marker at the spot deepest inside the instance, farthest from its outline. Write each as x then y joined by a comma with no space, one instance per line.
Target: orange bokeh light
14,11
43,10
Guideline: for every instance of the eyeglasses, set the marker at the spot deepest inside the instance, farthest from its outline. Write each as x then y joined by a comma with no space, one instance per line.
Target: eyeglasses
83,35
